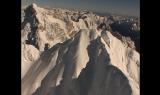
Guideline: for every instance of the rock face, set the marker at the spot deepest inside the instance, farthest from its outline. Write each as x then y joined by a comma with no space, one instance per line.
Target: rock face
63,53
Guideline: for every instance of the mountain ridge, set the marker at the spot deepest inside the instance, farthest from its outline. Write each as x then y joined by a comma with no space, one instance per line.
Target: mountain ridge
71,58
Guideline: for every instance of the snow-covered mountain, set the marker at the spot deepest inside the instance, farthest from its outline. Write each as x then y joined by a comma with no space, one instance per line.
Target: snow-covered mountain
67,52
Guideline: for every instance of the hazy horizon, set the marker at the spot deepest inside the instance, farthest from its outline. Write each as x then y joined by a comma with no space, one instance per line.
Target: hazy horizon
121,7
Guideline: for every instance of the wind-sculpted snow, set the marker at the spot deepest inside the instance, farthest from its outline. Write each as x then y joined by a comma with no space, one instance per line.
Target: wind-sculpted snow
64,53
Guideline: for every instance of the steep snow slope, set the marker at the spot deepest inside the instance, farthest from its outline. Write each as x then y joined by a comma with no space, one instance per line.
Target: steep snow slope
80,60
126,59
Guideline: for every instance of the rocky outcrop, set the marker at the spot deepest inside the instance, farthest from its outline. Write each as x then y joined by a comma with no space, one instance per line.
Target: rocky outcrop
43,26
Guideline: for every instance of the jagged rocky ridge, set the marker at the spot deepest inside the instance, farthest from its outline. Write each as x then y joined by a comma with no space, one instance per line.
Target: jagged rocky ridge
63,53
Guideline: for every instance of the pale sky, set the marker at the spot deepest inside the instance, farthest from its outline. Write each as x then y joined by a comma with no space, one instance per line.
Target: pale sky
124,7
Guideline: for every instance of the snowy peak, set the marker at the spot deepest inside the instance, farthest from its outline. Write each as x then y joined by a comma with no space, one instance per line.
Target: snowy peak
68,52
